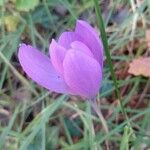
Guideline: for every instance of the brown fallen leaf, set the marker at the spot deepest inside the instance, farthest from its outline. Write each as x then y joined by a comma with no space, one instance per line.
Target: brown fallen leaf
140,66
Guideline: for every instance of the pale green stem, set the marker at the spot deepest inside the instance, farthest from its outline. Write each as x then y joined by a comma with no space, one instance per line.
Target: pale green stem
101,117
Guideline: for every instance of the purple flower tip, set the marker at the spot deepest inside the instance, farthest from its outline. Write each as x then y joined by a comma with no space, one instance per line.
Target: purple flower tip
75,64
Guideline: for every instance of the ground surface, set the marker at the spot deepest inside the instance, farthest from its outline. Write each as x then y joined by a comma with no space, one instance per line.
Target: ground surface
33,118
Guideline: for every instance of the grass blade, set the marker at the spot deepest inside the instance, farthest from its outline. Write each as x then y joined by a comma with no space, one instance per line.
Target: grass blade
107,52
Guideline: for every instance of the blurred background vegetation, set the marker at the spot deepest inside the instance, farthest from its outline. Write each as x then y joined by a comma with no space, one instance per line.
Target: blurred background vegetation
32,118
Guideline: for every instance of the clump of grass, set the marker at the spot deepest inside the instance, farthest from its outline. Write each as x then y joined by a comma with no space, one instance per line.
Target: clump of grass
32,118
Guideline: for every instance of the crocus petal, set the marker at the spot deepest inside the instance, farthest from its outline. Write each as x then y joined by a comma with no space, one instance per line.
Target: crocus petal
90,37
57,54
81,47
67,38
82,73
39,68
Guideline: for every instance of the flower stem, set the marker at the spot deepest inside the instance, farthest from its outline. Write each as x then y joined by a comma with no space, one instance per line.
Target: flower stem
101,117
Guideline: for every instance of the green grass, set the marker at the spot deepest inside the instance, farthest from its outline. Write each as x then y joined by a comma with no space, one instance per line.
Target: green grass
39,120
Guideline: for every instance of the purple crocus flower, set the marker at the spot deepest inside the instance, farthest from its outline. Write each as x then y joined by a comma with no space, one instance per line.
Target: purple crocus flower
75,64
